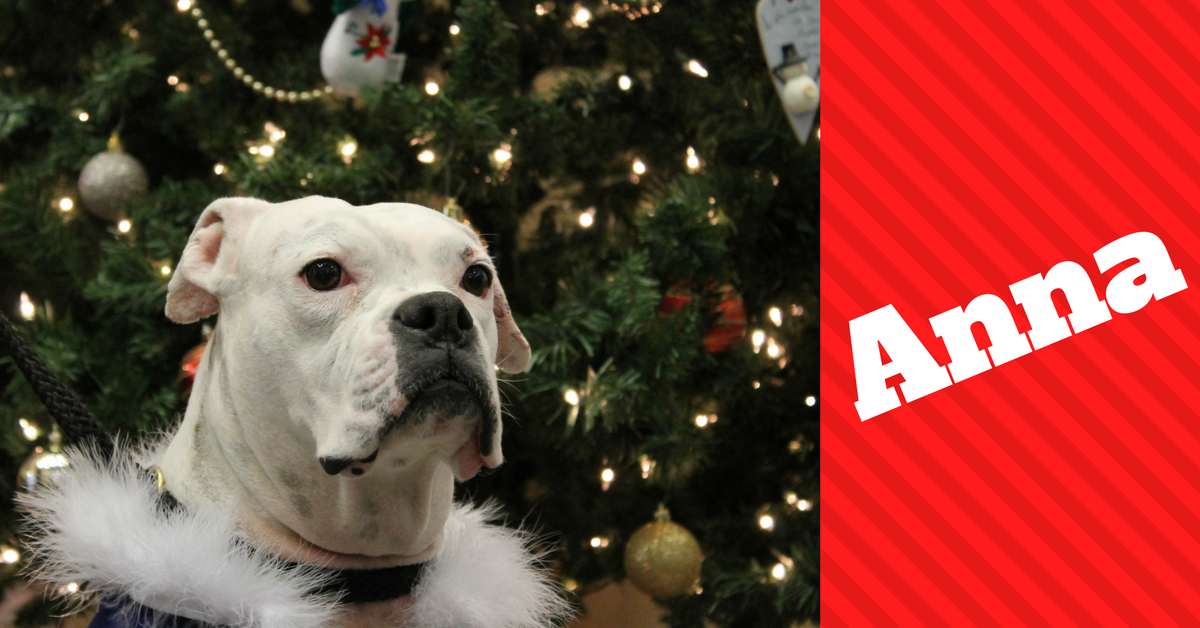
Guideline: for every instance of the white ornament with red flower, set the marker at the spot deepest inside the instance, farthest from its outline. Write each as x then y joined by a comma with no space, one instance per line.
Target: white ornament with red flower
358,52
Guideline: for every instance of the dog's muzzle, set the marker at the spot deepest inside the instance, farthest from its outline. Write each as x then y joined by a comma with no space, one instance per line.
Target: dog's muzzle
439,372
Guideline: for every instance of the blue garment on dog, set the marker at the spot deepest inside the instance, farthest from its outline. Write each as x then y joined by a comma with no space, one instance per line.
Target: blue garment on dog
122,612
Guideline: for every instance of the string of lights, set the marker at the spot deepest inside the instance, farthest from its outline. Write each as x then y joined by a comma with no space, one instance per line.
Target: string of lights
767,516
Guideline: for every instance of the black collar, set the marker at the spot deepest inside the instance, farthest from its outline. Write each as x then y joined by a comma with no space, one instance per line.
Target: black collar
349,586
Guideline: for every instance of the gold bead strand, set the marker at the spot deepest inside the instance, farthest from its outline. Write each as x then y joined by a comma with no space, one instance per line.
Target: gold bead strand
245,77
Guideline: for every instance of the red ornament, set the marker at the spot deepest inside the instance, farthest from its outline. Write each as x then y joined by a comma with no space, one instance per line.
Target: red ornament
189,365
676,297
375,43
730,323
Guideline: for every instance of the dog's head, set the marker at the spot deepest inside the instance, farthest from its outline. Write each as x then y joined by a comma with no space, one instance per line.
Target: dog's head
369,327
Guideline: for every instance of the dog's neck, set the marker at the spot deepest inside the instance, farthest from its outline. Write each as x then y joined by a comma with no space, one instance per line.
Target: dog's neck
284,499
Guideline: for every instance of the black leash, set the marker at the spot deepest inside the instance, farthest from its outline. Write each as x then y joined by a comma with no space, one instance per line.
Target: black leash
78,425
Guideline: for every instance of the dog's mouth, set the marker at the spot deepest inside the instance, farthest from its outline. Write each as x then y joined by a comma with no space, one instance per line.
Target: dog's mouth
445,396
442,395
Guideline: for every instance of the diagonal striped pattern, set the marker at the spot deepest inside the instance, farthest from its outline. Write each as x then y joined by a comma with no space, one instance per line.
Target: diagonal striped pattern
968,145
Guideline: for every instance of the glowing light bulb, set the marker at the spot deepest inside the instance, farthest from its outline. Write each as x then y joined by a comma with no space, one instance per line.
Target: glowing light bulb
804,505
624,82
571,397
647,466
27,309
10,555
790,498
539,9
694,67
266,151
172,80
432,88
639,167
72,587
607,475
779,571
124,226
586,220
83,116
277,135
776,316
184,5
66,204
766,522
426,157
693,160
502,155
30,432
581,17
454,29
253,150
810,401
757,339
165,270
773,349
701,420
348,149
596,541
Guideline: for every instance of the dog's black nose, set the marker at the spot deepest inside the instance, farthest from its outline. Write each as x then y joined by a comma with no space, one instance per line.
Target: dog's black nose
440,316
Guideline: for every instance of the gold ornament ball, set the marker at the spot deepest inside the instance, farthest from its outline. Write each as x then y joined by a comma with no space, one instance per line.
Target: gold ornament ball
663,559
109,180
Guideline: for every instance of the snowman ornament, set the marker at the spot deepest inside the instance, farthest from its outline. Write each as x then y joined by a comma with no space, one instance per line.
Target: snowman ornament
790,31
357,51
801,94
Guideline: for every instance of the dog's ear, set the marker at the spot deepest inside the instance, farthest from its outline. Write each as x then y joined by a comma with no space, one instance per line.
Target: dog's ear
192,292
512,355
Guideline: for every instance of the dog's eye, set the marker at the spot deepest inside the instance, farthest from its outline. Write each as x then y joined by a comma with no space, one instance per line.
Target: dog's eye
323,275
477,280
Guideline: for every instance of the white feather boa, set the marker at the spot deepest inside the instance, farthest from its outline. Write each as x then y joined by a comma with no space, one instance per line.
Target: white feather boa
100,524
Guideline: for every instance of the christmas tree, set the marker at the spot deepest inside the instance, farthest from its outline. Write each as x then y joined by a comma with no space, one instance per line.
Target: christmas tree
653,217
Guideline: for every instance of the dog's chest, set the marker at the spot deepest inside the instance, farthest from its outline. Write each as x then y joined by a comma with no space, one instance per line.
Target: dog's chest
383,614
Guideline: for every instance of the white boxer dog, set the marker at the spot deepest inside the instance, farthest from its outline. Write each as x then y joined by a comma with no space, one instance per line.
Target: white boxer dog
349,382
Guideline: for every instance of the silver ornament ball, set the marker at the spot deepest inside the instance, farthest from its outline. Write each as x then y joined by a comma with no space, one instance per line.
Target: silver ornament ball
109,180
45,465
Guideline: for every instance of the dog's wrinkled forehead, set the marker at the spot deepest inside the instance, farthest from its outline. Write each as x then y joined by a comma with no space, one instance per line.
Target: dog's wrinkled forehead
393,238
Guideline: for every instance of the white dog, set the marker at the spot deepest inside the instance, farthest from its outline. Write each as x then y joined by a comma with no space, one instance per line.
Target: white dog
349,383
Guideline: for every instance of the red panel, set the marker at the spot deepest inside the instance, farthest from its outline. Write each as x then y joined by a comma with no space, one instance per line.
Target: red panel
967,146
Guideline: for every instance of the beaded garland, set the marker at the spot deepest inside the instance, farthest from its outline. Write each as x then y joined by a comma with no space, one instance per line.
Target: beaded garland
246,78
